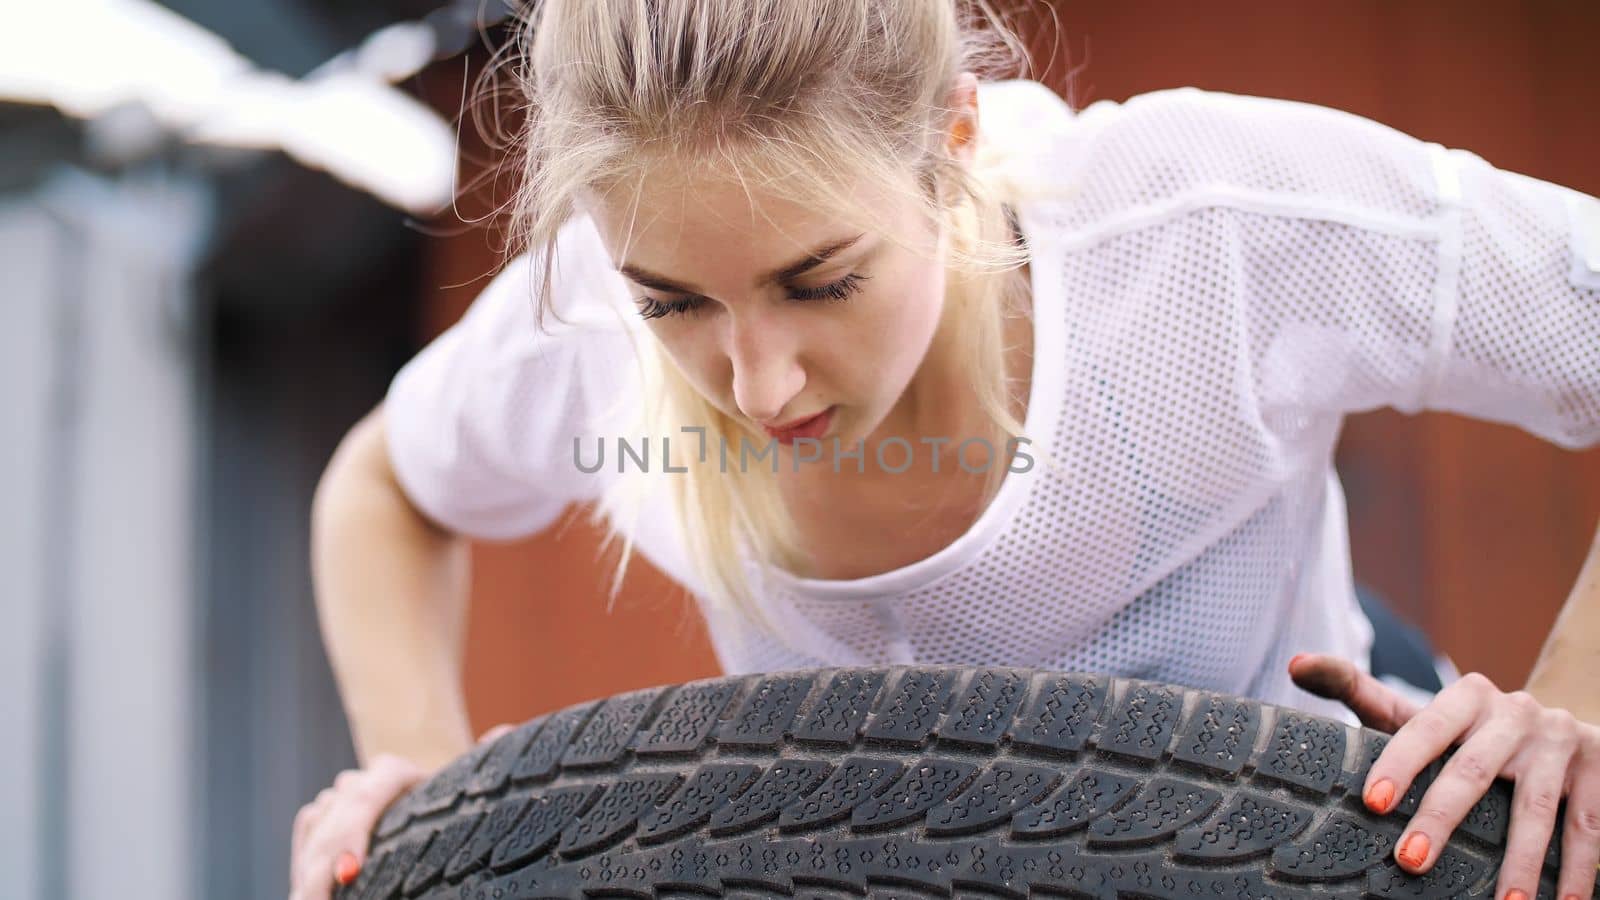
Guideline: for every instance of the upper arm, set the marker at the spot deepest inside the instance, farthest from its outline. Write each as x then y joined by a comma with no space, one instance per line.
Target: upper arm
1518,337
1371,268
365,453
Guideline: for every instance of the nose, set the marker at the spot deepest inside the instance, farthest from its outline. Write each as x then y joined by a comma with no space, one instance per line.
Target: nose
766,368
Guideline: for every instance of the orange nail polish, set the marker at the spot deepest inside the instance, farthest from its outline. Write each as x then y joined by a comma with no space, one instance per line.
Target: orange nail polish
1293,660
1414,850
1516,894
1380,796
347,868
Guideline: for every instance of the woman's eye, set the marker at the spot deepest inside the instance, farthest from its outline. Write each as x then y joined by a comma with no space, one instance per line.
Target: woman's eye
837,290
651,308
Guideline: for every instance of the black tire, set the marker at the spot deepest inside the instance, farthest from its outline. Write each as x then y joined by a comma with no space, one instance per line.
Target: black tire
919,782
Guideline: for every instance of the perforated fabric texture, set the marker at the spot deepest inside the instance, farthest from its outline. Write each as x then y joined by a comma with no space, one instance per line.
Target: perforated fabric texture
1218,281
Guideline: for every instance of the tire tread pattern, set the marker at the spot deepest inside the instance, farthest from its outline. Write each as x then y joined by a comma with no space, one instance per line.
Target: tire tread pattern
918,782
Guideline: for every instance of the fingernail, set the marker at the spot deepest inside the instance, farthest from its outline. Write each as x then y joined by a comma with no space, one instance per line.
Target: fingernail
1414,850
1380,796
1516,894
347,868
1295,659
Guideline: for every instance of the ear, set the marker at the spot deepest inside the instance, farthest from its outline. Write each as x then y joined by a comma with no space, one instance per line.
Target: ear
962,138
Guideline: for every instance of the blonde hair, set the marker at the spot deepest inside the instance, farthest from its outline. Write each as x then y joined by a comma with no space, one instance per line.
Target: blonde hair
804,98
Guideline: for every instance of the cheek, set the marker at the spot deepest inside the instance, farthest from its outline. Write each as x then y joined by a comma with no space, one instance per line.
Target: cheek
695,356
905,318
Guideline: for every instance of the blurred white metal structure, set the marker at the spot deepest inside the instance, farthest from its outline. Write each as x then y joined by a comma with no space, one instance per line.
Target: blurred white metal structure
165,701
97,538
345,120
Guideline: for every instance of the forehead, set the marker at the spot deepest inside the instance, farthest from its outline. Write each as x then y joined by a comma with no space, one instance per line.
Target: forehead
655,214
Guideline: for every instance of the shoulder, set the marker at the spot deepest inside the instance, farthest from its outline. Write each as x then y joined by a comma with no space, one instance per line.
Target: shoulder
502,343
1168,146
500,355
586,293
1015,103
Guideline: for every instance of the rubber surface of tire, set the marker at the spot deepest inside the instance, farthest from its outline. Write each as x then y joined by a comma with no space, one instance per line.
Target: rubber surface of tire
919,782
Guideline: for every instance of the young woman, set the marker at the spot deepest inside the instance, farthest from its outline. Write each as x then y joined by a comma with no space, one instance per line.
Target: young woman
945,372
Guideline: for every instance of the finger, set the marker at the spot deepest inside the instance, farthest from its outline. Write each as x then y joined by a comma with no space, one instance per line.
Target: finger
312,889
391,777
315,864
1580,842
1534,804
496,733
307,887
1427,734
312,875
328,855
1462,782
345,868
338,849
1423,738
305,821
1340,679
347,865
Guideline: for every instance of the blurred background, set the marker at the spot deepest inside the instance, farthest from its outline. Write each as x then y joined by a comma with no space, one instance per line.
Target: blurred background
220,235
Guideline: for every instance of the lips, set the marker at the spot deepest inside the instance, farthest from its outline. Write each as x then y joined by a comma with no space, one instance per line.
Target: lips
813,427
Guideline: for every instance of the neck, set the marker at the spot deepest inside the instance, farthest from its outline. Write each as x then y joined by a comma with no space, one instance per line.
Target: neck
940,400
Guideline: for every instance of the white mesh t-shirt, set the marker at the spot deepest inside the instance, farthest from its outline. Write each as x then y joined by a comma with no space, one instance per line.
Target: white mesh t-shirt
1218,281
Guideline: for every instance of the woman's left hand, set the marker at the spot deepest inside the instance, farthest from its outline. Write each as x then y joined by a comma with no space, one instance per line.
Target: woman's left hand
1547,751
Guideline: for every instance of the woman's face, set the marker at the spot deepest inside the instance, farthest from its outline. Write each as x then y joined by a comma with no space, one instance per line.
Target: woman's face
776,312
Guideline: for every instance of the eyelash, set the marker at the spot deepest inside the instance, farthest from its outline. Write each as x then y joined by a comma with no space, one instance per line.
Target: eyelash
650,308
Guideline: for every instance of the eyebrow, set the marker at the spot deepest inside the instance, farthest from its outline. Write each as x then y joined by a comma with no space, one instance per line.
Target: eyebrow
789,272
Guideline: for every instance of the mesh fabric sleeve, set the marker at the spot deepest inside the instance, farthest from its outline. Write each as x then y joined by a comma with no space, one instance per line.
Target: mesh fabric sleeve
481,423
1516,336
1368,267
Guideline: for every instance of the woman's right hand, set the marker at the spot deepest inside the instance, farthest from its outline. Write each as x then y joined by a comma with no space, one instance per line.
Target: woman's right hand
331,832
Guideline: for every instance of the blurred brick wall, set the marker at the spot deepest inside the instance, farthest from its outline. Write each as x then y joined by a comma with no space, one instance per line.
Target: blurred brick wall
1474,531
